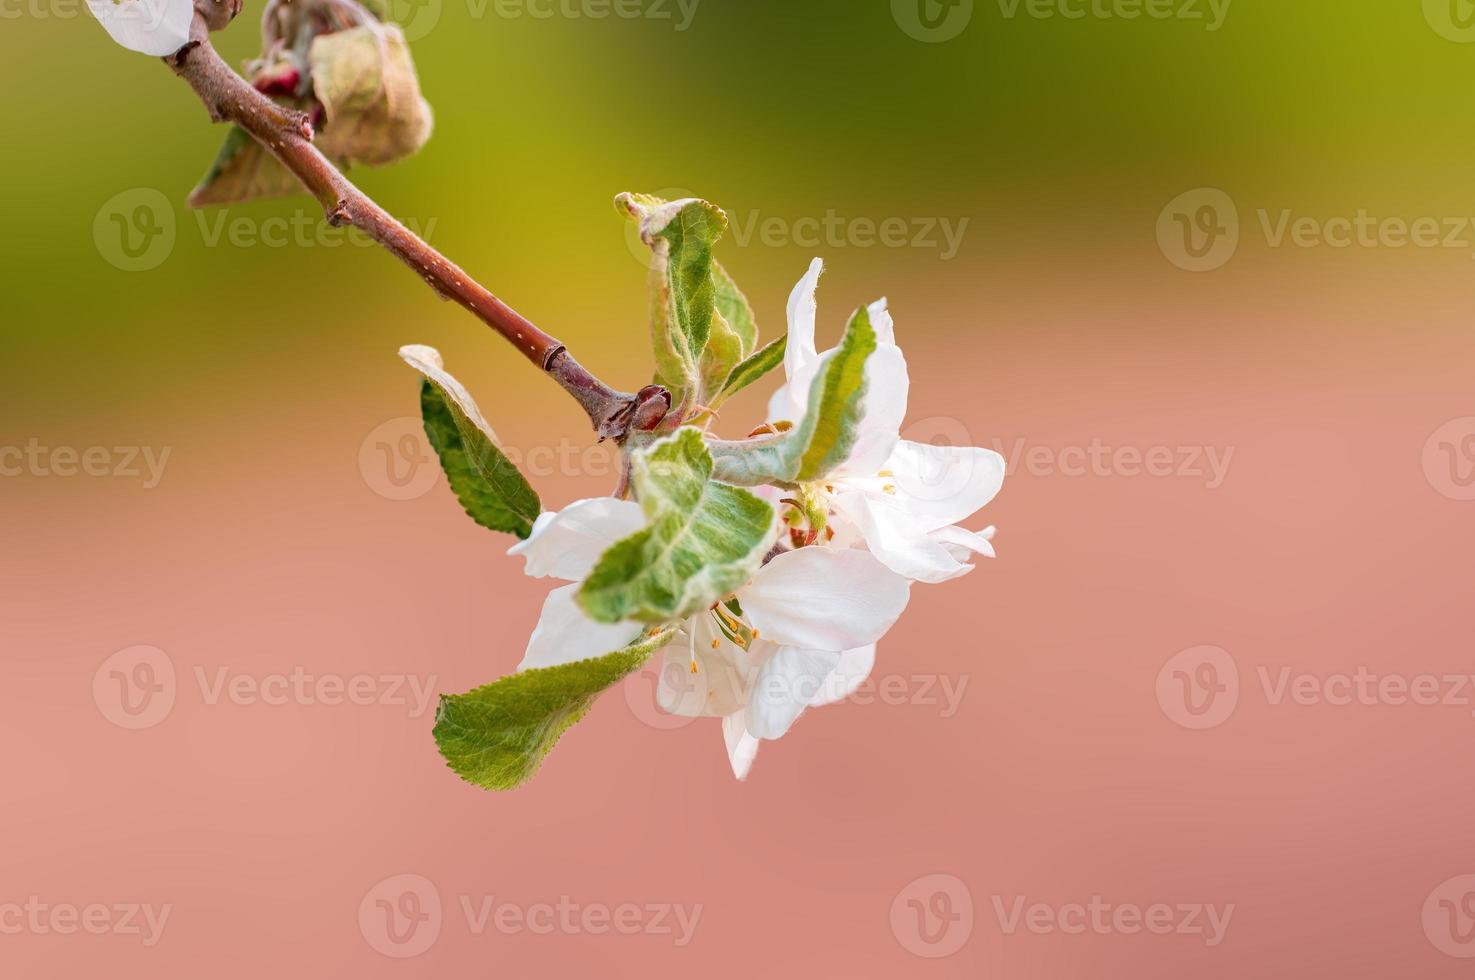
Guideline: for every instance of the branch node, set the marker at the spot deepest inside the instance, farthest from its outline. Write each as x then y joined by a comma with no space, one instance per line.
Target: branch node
176,60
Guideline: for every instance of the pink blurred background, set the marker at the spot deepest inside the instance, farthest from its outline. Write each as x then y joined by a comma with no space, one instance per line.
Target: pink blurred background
1057,774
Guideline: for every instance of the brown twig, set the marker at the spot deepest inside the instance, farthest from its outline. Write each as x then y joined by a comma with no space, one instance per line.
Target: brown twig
287,134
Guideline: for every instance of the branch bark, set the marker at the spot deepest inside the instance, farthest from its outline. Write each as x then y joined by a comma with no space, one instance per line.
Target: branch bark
287,134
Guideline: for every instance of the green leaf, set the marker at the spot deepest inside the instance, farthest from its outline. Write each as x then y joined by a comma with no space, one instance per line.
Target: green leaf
681,235
733,306
497,736
724,351
839,395
702,539
752,370
824,437
491,489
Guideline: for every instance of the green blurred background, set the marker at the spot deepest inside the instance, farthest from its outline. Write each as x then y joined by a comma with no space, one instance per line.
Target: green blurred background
1058,140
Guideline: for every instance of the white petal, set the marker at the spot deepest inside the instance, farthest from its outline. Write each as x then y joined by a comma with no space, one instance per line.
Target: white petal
719,685
803,310
887,389
791,401
849,674
154,27
567,544
801,361
742,748
824,599
787,682
897,540
882,323
566,635
961,543
944,485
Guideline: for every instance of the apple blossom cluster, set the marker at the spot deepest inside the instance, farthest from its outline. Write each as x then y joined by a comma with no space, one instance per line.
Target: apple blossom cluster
837,569
762,572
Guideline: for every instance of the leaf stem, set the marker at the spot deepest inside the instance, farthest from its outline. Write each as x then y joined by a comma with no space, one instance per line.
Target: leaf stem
287,134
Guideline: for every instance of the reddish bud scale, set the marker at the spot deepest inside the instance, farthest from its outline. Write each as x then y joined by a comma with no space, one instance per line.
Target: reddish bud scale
282,82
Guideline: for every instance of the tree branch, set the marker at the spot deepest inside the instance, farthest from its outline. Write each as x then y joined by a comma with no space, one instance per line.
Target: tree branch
287,134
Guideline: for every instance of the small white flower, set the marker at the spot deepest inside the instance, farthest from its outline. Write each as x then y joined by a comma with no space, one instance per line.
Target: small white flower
794,636
154,27
902,500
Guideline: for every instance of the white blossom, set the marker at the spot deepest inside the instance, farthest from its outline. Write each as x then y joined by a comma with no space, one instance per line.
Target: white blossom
154,27
902,500
792,637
